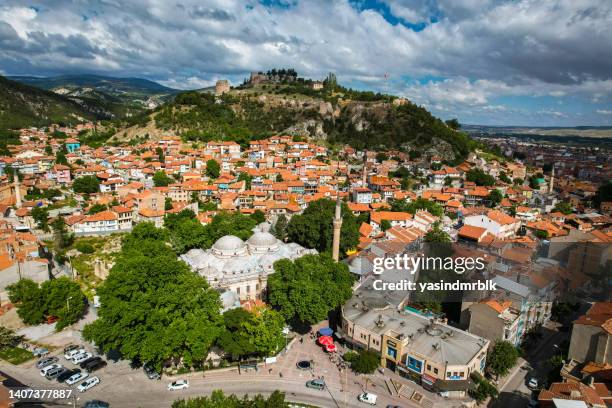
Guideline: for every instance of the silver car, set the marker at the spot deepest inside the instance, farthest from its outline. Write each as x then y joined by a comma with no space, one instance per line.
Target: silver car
43,362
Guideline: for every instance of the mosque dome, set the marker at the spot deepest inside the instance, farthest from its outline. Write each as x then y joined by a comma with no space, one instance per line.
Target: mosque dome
229,245
263,242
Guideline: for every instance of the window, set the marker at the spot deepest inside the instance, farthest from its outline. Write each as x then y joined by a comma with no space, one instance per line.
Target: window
428,367
435,370
462,374
237,291
448,374
392,352
414,364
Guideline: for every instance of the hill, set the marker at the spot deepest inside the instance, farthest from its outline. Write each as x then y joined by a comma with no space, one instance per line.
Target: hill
24,106
108,96
361,119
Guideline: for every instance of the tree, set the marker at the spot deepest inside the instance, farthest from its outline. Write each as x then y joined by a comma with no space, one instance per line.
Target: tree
483,389
479,177
314,229
563,207
64,299
96,208
419,204
436,235
219,399
307,289
258,216
62,238
453,124
504,177
381,157
279,229
604,193
8,338
86,185
28,298
495,197
385,225
247,179
161,179
367,362
154,308
168,204
502,358
213,169
41,216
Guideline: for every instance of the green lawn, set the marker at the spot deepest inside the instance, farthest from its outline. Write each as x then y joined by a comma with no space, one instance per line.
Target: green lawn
16,355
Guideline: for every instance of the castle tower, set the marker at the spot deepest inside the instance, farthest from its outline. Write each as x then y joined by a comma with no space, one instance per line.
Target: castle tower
337,227
552,181
17,191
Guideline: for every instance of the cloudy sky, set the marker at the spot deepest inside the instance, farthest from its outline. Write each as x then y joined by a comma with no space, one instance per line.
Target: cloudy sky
523,62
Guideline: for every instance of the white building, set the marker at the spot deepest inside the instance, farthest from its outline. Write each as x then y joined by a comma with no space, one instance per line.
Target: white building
499,224
242,267
101,223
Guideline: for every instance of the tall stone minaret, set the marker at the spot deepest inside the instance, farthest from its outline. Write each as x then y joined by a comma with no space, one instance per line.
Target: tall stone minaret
364,172
17,190
551,184
337,227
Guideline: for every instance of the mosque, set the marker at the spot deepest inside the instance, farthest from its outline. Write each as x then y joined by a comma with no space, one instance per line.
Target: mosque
242,268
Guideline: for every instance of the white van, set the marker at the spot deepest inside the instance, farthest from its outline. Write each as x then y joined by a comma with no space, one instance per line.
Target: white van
69,355
368,398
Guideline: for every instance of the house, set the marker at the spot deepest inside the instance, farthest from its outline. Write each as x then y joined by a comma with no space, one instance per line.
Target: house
72,145
59,173
395,219
594,395
101,223
497,223
362,195
495,320
592,335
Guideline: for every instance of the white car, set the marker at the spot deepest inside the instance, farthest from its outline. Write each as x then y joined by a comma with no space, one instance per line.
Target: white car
178,385
71,353
79,358
75,378
48,368
533,383
368,398
88,383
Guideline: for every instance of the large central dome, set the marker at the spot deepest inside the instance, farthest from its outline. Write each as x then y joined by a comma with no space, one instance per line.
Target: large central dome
263,242
229,245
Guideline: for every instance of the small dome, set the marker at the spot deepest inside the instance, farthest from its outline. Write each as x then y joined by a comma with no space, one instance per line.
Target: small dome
262,239
229,246
228,243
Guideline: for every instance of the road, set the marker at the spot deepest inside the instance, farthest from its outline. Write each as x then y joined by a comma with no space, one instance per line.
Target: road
515,393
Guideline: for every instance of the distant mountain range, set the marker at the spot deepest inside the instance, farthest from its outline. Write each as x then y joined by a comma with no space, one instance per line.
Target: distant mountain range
579,131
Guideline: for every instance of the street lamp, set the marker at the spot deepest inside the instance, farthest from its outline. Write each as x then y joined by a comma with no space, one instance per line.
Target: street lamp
68,303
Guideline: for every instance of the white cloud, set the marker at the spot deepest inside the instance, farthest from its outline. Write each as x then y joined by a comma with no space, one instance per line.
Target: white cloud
604,111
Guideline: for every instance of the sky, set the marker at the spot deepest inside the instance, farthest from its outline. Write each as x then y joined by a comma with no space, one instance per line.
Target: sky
490,62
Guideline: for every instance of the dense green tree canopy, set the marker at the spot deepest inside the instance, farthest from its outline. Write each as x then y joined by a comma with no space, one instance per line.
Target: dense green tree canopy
153,307
59,297
366,362
419,204
307,289
218,399
212,168
479,177
161,179
502,358
86,185
314,227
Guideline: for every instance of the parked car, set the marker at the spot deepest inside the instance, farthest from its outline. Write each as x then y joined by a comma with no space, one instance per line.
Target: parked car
51,374
151,373
96,404
75,378
79,358
40,352
67,374
95,365
368,398
71,347
73,352
43,362
533,383
316,384
88,383
48,368
82,364
178,385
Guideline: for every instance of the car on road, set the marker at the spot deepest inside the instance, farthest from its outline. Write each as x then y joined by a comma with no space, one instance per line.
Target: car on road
368,398
51,374
151,373
96,404
45,361
178,385
533,383
73,352
40,352
316,384
95,365
48,368
88,383
83,364
75,378
79,358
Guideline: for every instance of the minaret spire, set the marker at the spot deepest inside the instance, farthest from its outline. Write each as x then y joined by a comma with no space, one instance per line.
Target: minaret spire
552,180
17,190
337,227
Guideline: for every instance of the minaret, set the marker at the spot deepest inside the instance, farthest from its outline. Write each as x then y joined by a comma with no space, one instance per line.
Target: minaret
337,227
17,190
552,181
364,172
